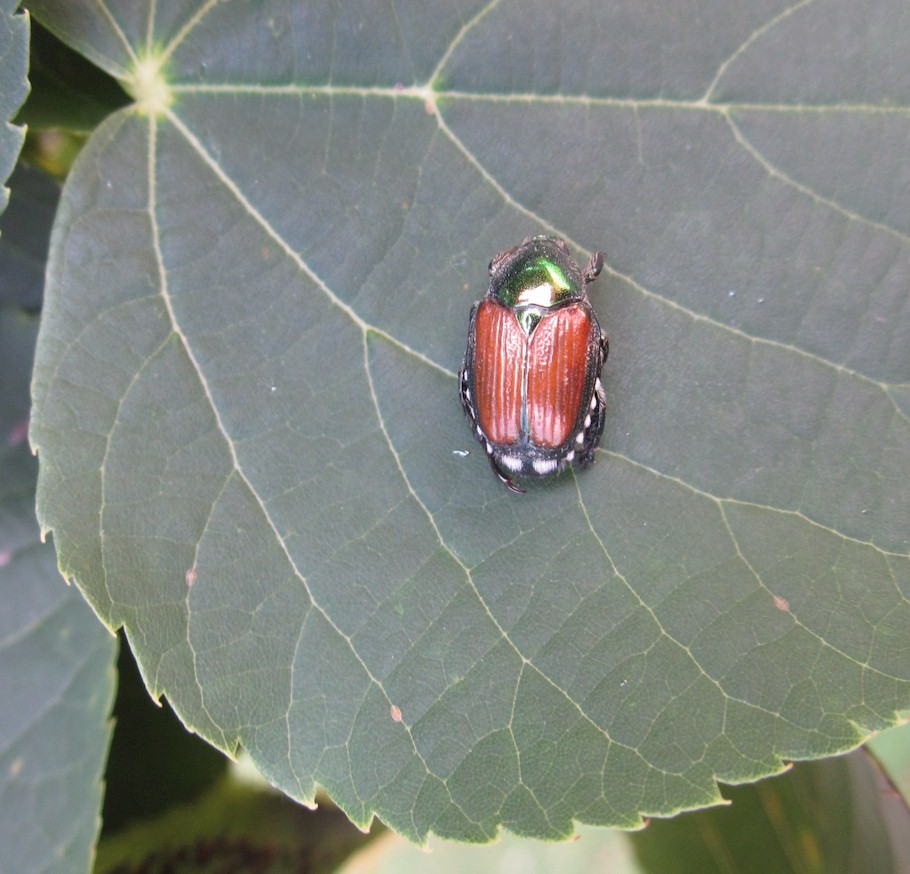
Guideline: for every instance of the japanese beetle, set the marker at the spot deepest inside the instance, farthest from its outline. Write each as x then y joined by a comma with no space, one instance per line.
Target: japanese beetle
530,381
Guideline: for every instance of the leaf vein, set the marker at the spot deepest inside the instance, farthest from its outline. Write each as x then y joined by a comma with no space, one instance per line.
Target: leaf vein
190,24
466,27
662,299
102,5
727,696
775,173
235,461
720,503
747,43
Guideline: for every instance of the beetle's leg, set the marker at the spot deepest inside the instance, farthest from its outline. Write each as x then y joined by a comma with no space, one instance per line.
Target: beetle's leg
595,265
463,391
594,431
503,477
598,412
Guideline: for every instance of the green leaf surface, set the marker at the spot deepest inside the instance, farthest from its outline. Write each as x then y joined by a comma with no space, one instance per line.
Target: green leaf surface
821,817
13,87
56,660
253,456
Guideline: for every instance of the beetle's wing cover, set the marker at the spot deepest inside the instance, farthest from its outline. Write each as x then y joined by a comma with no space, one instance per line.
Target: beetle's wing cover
500,348
560,374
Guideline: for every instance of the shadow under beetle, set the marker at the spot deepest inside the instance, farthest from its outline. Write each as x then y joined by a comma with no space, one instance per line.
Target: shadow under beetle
530,381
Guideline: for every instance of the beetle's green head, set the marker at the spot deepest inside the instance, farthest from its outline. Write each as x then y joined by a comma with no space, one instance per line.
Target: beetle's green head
540,272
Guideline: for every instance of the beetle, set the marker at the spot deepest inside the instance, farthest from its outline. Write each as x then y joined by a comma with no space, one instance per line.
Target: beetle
530,381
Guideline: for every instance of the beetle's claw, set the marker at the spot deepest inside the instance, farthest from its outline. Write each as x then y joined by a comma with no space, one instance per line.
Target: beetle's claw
504,478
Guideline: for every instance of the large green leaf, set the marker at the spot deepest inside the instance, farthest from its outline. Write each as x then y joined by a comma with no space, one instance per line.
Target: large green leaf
252,449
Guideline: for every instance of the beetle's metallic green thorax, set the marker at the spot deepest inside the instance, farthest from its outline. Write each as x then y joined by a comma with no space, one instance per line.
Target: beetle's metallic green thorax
540,273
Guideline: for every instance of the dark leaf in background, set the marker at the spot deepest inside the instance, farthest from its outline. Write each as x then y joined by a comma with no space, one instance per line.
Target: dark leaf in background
154,763
235,826
13,87
56,659
25,230
890,750
67,91
822,816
